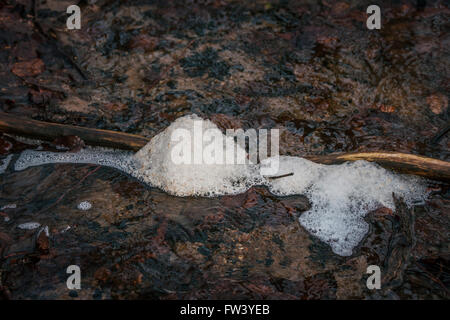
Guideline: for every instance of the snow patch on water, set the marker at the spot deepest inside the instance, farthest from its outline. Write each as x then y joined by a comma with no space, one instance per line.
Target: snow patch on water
340,195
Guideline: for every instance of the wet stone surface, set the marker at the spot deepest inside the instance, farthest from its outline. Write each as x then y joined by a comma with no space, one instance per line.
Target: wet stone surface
308,68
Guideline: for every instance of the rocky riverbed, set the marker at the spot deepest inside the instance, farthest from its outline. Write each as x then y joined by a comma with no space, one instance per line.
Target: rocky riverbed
308,68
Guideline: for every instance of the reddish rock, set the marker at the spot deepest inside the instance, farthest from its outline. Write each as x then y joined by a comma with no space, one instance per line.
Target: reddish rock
144,41
5,146
28,68
42,242
437,103
102,274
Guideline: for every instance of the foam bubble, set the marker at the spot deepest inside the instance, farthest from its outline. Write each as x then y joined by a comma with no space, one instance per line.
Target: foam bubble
29,225
84,205
9,206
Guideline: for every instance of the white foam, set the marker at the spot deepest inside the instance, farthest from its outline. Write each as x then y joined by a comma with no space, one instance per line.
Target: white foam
120,160
340,195
9,206
84,205
66,229
45,230
158,169
29,225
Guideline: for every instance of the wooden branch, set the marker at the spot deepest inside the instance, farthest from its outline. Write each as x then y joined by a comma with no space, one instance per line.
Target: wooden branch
400,162
49,131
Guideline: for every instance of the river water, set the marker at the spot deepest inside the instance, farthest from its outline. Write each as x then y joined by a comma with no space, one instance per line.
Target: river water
308,68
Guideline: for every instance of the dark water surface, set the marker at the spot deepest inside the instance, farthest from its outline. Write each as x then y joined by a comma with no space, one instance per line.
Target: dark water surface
309,68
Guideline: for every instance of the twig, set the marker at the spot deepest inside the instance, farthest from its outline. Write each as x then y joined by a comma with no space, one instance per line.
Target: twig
281,176
401,162
49,131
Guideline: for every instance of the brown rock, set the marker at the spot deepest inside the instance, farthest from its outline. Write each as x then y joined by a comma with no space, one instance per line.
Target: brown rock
69,143
5,146
224,121
42,241
339,8
102,274
116,107
28,68
387,109
437,103
144,41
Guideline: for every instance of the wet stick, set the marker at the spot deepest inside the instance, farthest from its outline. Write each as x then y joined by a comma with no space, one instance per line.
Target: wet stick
282,176
49,131
400,162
